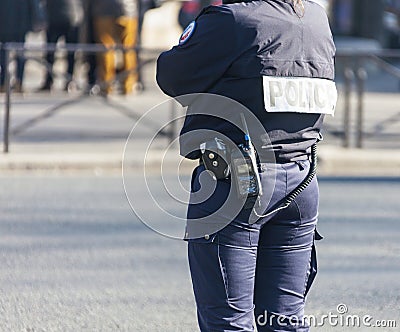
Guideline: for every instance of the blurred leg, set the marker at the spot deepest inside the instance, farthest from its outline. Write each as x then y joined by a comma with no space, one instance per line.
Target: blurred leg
91,57
20,72
104,34
20,65
129,29
2,67
72,38
89,37
144,6
52,37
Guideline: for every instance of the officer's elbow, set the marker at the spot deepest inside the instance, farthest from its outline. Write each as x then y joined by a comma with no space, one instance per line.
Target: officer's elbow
164,85
164,77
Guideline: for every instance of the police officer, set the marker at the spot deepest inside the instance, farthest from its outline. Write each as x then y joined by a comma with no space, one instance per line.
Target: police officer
276,59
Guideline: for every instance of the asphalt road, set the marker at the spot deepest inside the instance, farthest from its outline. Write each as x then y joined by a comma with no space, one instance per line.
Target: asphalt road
74,257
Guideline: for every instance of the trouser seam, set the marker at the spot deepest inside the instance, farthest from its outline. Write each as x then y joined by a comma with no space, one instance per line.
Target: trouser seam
222,269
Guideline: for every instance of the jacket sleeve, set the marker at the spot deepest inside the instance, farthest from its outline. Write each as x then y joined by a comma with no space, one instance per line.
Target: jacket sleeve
196,65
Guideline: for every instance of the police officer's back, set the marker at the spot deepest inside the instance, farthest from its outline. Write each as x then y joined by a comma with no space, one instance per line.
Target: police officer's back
274,58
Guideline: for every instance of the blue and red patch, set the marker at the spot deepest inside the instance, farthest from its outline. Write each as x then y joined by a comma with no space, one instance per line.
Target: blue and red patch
187,33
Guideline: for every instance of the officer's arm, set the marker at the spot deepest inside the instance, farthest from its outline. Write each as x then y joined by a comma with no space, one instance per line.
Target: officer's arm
195,65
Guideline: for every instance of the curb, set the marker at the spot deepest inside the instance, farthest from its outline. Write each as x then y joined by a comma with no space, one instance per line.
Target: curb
95,161
332,161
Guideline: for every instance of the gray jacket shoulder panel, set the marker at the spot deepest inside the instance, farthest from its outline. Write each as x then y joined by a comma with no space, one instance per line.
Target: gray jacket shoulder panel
286,44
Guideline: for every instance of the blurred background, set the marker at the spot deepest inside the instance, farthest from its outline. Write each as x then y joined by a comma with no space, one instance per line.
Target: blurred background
54,53
78,77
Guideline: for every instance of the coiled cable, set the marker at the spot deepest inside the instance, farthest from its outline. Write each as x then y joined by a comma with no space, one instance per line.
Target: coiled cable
296,192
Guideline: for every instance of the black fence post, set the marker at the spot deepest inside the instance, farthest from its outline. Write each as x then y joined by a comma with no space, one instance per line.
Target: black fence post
172,124
348,78
7,100
361,78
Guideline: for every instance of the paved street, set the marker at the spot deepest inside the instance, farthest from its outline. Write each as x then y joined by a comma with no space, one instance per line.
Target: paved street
75,258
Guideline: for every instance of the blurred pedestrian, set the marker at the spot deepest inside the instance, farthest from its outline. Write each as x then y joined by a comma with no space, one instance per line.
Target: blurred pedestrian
87,37
191,8
116,23
144,6
15,22
392,23
64,20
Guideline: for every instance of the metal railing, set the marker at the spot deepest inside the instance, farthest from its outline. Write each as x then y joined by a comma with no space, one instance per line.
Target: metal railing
353,64
354,73
145,56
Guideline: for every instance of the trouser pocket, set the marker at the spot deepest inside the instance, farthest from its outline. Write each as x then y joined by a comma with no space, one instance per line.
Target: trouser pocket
313,269
313,263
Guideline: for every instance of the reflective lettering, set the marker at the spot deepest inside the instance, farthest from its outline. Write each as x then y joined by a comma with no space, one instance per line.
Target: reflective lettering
302,95
299,94
292,93
275,91
319,96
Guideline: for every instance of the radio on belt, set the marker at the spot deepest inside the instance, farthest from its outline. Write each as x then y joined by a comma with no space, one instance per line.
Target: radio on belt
238,162
244,170
244,167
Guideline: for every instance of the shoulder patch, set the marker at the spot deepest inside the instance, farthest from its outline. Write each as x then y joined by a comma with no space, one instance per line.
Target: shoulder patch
187,33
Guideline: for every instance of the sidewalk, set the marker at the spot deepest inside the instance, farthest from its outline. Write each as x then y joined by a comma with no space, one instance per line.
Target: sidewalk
90,135
333,161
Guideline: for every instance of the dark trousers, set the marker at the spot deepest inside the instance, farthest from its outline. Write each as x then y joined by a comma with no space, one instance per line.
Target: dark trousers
20,62
70,34
262,270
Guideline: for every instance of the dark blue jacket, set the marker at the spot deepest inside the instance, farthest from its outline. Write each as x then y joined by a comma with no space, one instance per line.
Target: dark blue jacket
232,47
64,13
